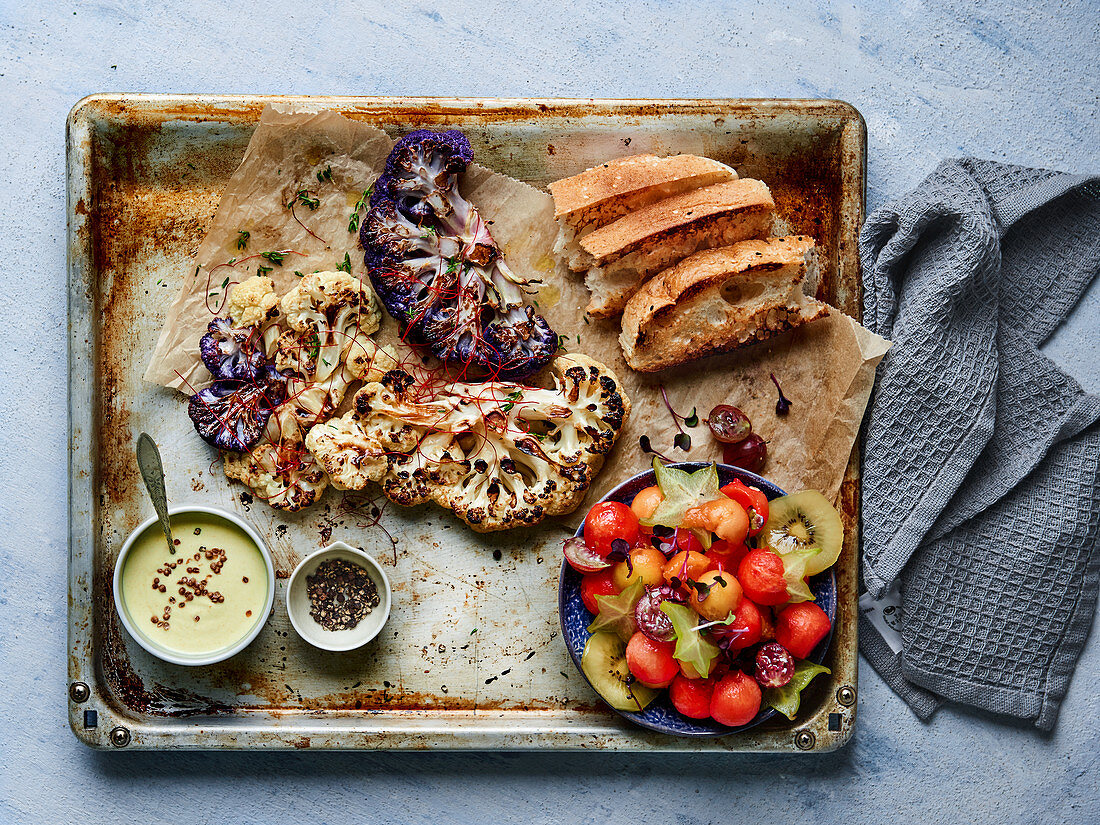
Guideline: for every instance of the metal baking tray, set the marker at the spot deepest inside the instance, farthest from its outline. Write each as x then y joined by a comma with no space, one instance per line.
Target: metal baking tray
471,658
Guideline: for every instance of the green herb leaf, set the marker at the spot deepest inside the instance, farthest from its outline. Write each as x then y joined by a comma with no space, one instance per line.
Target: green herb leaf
787,698
225,283
302,196
561,343
299,274
242,238
353,220
263,270
682,491
682,441
346,265
794,571
692,420
276,258
325,175
617,612
691,645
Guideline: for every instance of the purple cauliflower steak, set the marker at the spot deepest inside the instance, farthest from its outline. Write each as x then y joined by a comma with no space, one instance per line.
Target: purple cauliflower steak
436,267
231,413
229,352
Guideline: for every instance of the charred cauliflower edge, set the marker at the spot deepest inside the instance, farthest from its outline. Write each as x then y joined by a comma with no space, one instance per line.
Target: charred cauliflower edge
498,455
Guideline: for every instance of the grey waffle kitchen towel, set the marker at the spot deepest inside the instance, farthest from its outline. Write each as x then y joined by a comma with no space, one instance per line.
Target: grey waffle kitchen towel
981,473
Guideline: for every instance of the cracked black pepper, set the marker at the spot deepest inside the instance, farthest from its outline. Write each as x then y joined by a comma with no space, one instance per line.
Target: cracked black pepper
341,594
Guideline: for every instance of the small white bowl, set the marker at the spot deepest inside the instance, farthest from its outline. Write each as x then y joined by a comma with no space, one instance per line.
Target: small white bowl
175,657
297,600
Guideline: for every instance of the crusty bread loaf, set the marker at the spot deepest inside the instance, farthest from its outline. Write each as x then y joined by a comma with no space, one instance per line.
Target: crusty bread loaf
604,193
718,300
623,254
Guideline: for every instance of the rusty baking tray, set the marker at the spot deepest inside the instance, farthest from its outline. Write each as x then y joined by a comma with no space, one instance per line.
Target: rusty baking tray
472,658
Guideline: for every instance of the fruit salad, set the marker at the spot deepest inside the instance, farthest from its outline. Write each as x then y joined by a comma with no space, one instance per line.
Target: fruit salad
702,589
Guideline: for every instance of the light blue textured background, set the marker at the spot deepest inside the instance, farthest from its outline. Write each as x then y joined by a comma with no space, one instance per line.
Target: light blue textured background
1011,81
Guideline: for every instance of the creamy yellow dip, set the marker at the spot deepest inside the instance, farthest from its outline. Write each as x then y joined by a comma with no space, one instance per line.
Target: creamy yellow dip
203,598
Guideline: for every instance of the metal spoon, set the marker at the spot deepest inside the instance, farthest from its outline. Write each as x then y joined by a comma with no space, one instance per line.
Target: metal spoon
152,473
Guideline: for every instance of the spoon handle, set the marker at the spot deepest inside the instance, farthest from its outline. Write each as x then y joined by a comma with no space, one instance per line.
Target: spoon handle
152,473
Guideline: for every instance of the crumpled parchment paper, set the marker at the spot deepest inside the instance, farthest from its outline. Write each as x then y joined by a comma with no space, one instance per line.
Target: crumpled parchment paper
825,368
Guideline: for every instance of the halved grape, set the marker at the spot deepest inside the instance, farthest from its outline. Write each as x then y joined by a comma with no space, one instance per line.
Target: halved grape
653,621
748,454
774,665
583,558
728,424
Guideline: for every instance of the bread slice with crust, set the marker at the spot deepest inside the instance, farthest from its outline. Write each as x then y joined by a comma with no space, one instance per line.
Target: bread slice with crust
605,193
618,257
720,299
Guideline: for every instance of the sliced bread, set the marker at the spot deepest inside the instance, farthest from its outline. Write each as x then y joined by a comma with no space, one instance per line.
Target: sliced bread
618,257
604,193
718,300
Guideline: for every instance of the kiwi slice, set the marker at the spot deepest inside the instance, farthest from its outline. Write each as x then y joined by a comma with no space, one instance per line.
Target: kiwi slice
807,524
604,664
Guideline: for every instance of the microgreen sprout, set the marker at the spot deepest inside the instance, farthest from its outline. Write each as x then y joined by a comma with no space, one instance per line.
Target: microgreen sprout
346,265
682,440
242,238
783,405
647,447
276,258
730,619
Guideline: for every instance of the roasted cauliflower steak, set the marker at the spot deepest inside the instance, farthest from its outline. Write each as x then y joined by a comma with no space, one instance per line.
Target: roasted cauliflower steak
279,469
498,455
327,346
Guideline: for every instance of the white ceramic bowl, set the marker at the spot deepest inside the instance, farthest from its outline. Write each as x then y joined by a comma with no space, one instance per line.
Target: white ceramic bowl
297,600
175,657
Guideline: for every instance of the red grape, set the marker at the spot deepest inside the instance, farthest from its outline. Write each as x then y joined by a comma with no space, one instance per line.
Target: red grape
748,454
651,620
774,665
728,424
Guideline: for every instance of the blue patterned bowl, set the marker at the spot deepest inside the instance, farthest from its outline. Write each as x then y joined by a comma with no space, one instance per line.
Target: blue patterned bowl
661,716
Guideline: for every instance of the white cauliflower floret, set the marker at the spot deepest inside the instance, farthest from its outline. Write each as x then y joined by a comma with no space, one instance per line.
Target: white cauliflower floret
253,303
331,316
353,456
279,469
498,454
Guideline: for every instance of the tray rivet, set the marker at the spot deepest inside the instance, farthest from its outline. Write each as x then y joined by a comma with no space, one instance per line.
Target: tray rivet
805,740
846,695
120,737
79,692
